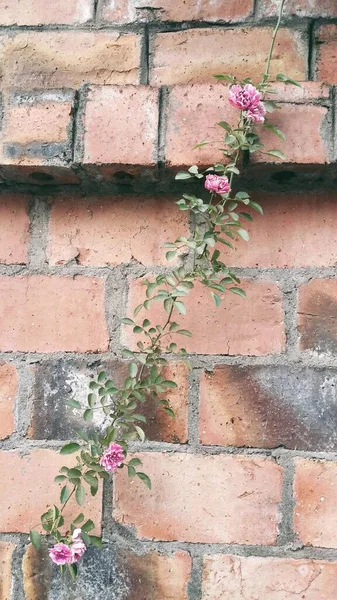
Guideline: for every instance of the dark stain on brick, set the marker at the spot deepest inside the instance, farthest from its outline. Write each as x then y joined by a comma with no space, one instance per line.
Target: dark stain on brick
318,327
37,573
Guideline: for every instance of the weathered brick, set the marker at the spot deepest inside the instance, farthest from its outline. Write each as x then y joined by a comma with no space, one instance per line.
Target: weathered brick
180,506
280,238
135,135
59,59
307,132
37,130
114,572
50,314
128,11
6,553
267,407
195,55
228,577
59,380
317,315
301,8
327,53
8,389
30,480
14,231
237,326
315,511
113,230
41,12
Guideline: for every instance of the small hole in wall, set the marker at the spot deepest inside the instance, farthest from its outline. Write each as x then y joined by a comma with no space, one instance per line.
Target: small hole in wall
283,176
41,176
121,175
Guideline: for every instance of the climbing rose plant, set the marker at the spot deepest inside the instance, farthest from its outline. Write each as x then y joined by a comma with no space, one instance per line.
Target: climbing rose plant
219,219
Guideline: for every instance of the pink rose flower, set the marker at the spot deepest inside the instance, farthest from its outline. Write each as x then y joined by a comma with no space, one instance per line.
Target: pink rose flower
112,458
78,548
244,97
61,554
217,184
256,113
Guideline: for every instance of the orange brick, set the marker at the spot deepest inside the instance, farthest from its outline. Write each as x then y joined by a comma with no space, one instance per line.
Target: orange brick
114,230
134,136
14,230
50,314
37,130
180,506
8,389
315,511
61,59
30,490
195,55
229,577
327,53
6,553
307,135
125,11
302,8
41,12
238,326
287,234
317,315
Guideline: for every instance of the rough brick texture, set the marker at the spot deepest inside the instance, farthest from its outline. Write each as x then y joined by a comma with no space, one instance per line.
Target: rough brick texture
19,511
14,233
317,315
111,231
8,390
229,577
326,53
40,314
6,553
181,507
195,55
301,8
235,327
39,12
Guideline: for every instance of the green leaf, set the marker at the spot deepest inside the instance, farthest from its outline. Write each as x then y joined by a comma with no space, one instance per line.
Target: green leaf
101,376
91,400
145,478
184,332
91,480
180,306
183,175
204,143
275,130
89,525
70,448
133,370
131,471
256,206
174,326
35,539
170,254
270,106
276,153
96,541
243,234
65,493
60,478
127,321
72,403
241,195
287,80
238,291
140,432
134,462
224,77
78,519
88,414
216,299
225,126
73,571
169,384
169,411
80,495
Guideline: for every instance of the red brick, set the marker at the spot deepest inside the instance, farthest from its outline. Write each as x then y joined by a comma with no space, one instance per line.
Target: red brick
14,231
238,326
30,489
114,230
41,12
327,53
307,135
195,55
134,136
125,11
50,314
37,130
317,315
153,576
287,234
61,59
180,506
302,8
269,406
228,577
8,389
315,512
55,380
6,553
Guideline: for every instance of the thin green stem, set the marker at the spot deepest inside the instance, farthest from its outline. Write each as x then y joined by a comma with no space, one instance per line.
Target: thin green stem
273,40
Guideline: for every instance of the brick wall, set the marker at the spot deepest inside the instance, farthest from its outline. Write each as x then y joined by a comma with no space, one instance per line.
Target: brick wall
101,103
